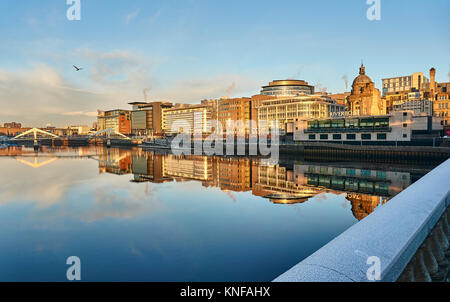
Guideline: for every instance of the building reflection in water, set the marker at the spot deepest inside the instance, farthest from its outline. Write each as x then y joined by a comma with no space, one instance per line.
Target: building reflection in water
365,189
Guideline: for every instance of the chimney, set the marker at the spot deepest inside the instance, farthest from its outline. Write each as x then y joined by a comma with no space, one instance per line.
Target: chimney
433,83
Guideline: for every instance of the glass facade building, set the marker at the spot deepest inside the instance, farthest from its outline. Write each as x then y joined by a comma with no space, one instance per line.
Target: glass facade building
282,88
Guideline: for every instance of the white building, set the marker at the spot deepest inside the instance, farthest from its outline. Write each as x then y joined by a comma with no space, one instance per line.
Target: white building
395,127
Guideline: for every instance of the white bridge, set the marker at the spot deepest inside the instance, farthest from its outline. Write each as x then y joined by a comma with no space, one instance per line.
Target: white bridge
35,132
108,133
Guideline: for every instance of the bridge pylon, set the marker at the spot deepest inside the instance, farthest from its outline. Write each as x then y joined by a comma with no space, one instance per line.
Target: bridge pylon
35,132
107,133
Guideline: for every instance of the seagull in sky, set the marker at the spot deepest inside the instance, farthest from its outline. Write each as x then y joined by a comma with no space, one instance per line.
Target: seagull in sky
76,68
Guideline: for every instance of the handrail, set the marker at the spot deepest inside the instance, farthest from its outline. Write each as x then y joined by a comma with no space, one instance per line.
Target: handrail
393,233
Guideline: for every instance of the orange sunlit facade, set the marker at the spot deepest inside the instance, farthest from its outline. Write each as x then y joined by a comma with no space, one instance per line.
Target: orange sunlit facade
238,109
441,107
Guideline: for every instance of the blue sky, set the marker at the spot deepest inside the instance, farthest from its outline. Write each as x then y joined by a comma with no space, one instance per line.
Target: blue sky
187,50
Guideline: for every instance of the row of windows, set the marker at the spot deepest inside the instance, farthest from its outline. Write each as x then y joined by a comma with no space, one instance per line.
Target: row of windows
348,172
350,136
350,123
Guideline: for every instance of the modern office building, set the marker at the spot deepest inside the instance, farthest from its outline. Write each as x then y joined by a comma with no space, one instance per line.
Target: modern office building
146,118
118,120
416,81
289,109
193,117
284,88
395,127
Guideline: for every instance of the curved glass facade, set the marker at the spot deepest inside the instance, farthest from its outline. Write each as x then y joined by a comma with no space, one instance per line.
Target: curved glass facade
287,88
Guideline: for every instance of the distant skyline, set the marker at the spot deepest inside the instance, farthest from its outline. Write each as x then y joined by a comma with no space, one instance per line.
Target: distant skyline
184,51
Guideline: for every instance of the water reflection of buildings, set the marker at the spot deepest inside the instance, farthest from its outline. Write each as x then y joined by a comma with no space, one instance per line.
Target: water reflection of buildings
364,188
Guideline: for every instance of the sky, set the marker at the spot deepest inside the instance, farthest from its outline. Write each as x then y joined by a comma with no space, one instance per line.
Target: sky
184,51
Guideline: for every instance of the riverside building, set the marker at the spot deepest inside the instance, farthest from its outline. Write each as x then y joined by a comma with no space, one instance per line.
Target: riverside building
286,110
181,116
414,92
442,105
118,120
237,109
283,88
364,98
403,127
146,118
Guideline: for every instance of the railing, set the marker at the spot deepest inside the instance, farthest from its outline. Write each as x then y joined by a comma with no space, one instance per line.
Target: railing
409,236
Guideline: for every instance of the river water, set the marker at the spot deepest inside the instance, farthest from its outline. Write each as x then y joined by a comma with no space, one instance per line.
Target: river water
131,215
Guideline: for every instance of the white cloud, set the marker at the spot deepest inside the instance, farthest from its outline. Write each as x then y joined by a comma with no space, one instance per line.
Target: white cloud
44,94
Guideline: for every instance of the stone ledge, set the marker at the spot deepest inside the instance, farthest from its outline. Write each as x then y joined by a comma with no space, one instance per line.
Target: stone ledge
393,233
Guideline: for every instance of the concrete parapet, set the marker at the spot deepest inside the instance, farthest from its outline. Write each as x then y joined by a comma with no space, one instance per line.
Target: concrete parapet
409,235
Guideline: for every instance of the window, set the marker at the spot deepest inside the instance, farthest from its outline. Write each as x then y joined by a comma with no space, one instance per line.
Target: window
350,172
366,173
366,136
405,125
405,135
351,136
325,124
381,174
337,171
312,136
366,123
351,123
313,125
338,123
337,136
381,136
324,136
381,122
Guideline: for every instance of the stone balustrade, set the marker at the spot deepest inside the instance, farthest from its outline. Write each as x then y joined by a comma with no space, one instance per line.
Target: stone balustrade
409,235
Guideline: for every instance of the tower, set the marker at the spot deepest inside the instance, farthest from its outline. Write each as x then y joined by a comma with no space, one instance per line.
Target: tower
365,99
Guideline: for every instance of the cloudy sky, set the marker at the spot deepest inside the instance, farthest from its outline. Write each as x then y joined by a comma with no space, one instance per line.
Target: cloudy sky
188,50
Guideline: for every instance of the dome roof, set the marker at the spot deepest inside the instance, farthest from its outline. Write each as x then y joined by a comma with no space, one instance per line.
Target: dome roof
362,78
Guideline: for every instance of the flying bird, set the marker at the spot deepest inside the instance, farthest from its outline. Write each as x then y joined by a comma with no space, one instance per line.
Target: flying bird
77,69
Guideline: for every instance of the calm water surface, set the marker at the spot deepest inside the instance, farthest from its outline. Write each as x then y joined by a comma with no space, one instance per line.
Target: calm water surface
138,216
